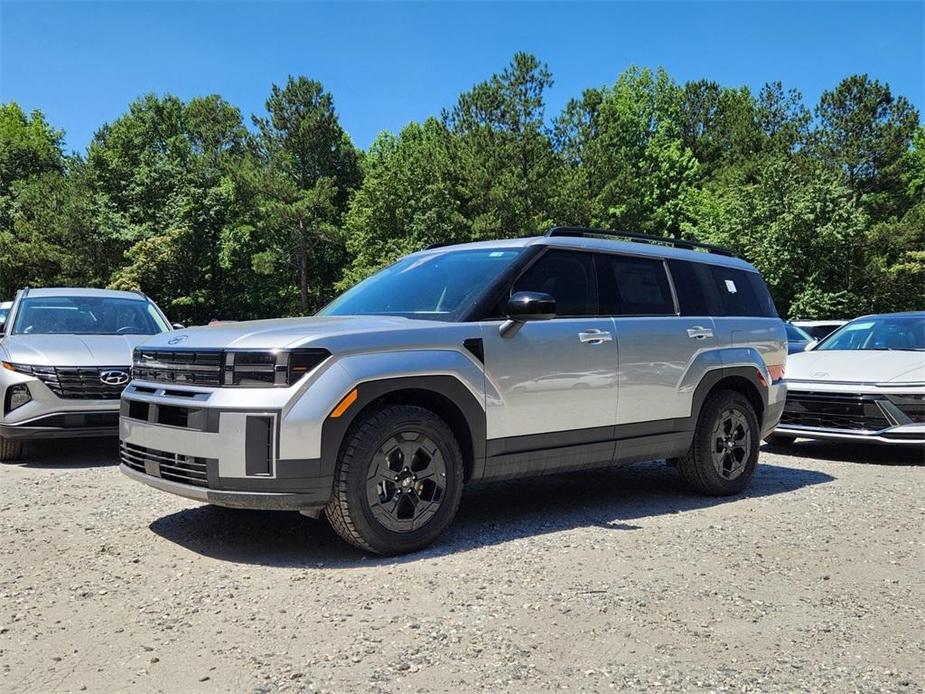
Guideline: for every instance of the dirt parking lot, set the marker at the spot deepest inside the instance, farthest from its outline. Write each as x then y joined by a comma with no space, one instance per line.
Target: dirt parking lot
607,580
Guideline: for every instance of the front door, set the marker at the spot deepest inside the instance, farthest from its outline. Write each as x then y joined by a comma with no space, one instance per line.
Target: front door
556,379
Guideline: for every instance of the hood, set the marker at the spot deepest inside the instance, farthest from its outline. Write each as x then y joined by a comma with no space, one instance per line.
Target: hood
857,366
71,350
281,333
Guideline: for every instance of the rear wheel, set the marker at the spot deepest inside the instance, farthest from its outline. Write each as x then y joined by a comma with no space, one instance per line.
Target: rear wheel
398,481
780,439
9,449
724,452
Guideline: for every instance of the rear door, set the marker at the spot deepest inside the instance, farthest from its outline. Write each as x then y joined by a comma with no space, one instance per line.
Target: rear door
655,344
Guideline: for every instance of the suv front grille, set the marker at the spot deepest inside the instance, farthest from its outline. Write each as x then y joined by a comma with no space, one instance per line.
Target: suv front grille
80,382
188,367
169,466
847,411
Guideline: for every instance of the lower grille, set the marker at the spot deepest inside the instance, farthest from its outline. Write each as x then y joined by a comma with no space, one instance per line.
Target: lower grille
169,466
847,411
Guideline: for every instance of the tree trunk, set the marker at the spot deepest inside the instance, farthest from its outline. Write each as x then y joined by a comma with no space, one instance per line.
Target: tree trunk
303,268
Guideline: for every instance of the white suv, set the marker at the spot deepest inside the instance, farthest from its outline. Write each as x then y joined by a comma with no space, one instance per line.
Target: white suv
66,355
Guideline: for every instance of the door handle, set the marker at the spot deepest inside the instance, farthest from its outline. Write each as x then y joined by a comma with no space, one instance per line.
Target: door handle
594,336
698,332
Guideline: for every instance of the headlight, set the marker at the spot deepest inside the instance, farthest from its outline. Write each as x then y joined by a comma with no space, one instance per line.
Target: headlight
17,396
20,368
270,368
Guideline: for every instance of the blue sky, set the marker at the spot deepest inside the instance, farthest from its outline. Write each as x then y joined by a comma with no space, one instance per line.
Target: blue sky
388,63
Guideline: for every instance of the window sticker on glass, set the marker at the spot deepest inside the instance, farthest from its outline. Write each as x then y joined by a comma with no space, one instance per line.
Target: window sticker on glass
496,254
731,287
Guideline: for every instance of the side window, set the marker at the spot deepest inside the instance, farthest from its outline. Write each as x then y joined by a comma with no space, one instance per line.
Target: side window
567,276
693,285
737,293
631,286
763,294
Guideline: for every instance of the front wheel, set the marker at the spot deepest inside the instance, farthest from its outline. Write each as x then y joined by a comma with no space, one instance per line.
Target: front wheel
398,481
724,452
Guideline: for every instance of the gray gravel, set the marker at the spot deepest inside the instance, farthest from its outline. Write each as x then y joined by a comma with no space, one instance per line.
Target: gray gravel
605,580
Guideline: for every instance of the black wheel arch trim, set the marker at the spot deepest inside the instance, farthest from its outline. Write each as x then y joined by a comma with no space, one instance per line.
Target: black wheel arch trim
447,387
715,376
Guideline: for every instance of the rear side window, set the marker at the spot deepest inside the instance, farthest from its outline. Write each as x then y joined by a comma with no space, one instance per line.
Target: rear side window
694,286
631,286
567,276
742,293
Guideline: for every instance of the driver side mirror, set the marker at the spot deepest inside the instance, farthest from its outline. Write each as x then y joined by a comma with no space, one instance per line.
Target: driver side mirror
527,306
177,326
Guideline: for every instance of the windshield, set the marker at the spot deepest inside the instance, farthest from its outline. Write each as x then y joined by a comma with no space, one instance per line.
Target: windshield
87,315
879,333
795,334
436,286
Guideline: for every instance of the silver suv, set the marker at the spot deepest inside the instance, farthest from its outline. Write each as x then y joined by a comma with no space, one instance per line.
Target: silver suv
66,356
479,361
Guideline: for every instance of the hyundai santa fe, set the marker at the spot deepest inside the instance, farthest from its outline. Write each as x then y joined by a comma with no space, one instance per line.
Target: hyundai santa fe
482,361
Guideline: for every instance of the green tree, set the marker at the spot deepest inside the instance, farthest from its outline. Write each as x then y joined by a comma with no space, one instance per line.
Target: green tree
302,169
409,198
865,132
163,198
627,165
506,164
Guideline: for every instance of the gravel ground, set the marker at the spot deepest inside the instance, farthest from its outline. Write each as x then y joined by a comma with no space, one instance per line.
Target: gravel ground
606,580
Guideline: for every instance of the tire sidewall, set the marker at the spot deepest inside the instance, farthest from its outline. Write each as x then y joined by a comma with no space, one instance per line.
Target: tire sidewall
704,441
383,539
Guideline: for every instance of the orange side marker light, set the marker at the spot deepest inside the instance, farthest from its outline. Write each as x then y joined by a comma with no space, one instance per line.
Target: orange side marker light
344,404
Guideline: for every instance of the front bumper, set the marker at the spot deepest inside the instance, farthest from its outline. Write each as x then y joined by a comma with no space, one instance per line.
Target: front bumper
271,501
64,425
188,442
48,416
838,412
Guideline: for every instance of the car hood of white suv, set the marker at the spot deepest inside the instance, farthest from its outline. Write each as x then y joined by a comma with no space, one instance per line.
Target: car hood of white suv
283,333
857,366
70,350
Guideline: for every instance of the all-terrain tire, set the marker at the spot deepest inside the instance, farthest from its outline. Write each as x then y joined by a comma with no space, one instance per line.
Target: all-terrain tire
359,516
9,449
699,469
780,440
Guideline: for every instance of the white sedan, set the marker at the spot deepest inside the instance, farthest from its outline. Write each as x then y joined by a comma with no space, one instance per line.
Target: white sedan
864,382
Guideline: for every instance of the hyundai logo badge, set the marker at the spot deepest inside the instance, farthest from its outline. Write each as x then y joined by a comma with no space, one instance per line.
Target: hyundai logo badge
114,377
177,340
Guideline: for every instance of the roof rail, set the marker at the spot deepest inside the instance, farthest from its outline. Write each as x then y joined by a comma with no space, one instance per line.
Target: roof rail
440,244
583,232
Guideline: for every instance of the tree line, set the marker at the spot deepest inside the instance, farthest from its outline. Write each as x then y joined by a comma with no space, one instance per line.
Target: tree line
215,219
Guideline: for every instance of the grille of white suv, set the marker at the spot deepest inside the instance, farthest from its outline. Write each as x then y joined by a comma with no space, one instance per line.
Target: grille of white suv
80,382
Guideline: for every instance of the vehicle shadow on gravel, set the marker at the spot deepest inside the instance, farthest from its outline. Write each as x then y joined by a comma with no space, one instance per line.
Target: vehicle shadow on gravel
69,454
490,514
851,452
